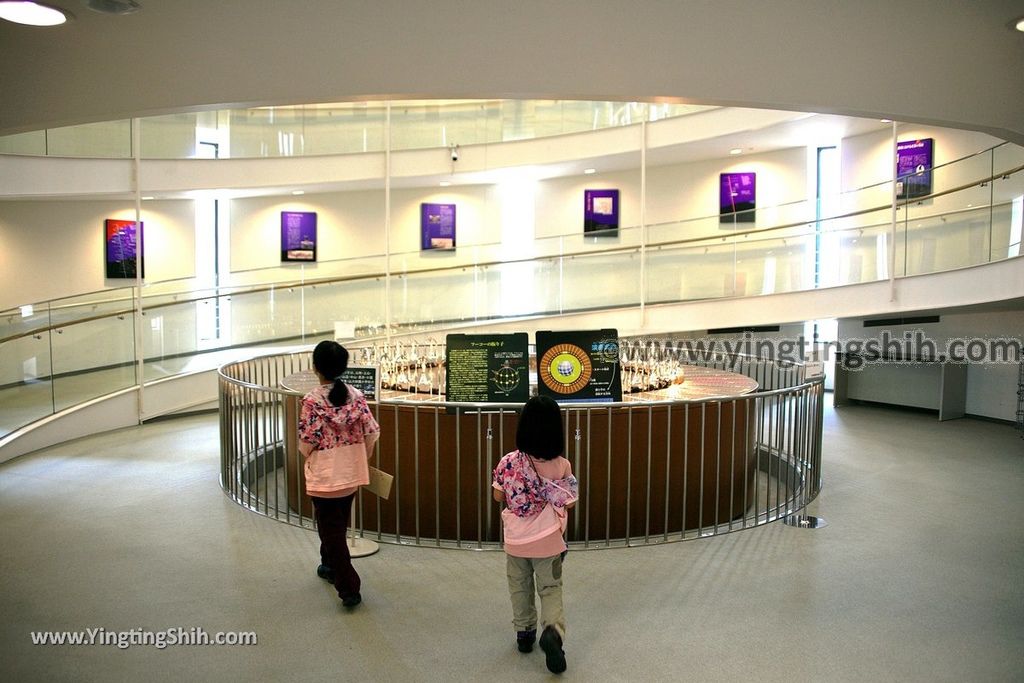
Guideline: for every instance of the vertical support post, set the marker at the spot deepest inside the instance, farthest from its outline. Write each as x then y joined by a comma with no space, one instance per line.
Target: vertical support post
892,227
140,365
643,218
387,222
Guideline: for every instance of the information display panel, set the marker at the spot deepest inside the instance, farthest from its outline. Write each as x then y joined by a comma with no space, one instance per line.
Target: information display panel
298,236
579,365
437,226
601,213
487,368
363,378
914,168
122,244
737,197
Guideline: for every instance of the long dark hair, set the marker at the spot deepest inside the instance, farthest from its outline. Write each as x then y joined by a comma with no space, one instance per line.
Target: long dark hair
331,359
539,432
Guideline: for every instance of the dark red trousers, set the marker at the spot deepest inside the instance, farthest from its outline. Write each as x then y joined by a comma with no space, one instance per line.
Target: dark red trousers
332,516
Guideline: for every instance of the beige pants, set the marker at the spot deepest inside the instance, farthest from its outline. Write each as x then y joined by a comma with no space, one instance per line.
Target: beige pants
543,575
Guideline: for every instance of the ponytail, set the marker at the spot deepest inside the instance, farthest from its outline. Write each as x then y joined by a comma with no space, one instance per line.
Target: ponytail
331,360
339,393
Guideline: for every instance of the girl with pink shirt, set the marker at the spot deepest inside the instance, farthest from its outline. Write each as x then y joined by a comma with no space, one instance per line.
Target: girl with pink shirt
537,486
337,434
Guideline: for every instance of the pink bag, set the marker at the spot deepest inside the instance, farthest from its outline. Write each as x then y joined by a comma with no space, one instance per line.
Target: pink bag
335,469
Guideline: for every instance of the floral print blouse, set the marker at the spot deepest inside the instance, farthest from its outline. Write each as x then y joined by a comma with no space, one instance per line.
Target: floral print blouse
324,425
526,492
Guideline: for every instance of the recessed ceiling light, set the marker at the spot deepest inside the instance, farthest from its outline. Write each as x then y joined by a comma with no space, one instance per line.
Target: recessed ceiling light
590,171
446,183
298,192
735,150
885,120
32,14
1018,24
112,6
146,199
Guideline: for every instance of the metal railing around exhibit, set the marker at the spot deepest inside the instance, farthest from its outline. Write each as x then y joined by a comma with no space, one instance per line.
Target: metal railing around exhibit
650,472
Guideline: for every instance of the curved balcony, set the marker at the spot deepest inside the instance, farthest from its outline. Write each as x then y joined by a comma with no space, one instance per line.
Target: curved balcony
65,353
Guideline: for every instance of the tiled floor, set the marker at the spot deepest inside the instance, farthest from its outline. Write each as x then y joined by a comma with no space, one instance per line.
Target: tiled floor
917,576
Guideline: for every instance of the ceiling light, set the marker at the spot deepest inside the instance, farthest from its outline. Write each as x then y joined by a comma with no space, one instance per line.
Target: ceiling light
446,183
32,14
1018,24
112,6
735,150
298,192
590,171
885,120
146,199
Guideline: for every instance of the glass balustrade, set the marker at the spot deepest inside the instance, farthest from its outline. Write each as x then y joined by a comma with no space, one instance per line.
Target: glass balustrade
57,354
344,128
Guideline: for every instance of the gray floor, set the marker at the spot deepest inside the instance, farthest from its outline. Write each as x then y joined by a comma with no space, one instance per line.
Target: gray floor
919,575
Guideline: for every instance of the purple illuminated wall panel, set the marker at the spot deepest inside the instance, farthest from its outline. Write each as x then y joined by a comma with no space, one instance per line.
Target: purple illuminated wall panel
601,213
914,168
122,245
437,226
298,236
737,197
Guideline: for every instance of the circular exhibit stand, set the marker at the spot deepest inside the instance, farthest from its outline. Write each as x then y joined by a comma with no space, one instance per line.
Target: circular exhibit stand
693,440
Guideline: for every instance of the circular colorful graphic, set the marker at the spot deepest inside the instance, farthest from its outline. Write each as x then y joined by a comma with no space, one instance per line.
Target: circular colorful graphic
565,368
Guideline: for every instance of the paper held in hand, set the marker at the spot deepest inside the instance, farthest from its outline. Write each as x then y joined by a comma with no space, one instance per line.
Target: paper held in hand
380,483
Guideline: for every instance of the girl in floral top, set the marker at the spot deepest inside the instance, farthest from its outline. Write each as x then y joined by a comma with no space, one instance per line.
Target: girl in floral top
335,415
537,486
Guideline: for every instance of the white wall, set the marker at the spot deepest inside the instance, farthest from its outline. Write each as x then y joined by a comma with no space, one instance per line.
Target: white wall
56,248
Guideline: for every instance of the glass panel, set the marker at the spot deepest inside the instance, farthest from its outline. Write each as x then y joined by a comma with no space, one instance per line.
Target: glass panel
92,305
25,386
951,230
169,337
92,359
168,137
107,140
267,132
690,272
1008,198
23,320
33,143
359,302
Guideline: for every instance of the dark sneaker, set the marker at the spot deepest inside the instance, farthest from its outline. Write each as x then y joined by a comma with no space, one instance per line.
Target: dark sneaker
551,643
526,639
325,573
352,600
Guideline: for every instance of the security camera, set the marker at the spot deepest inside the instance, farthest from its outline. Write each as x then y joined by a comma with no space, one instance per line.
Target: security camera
455,152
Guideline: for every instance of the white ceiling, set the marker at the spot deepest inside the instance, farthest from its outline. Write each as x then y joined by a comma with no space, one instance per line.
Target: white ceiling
955,64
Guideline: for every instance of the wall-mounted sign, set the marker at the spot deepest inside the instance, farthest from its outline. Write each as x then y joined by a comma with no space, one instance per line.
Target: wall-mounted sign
298,236
914,168
737,197
601,213
491,368
437,226
579,366
122,244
